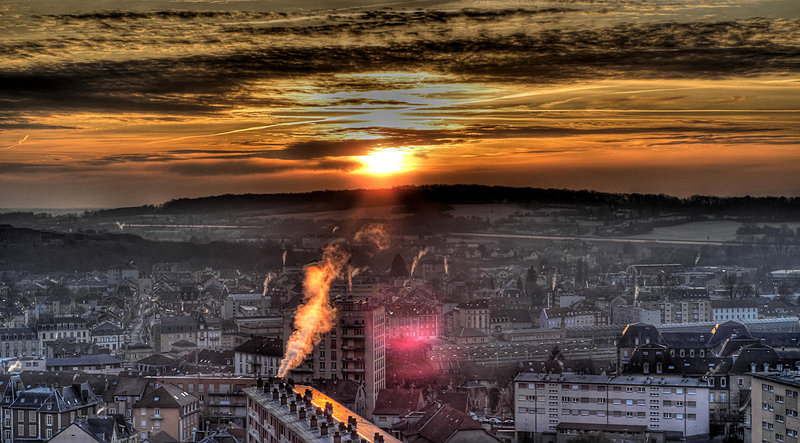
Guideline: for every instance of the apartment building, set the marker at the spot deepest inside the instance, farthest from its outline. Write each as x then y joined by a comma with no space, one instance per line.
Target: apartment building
62,327
685,311
221,399
774,407
109,336
555,408
19,342
169,409
355,349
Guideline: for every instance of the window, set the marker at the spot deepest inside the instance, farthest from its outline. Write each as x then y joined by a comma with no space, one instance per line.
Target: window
668,415
779,418
49,419
791,432
144,424
157,412
723,382
142,411
768,426
48,434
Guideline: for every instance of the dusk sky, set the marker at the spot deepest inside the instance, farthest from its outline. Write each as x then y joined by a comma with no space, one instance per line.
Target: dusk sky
118,103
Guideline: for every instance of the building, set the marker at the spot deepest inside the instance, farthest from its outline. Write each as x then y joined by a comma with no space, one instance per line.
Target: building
404,321
685,311
168,330
570,318
442,423
393,404
472,314
281,412
245,305
101,429
555,408
91,364
354,349
169,409
259,355
109,336
19,342
62,327
115,276
40,413
774,407
221,398
209,331
741,310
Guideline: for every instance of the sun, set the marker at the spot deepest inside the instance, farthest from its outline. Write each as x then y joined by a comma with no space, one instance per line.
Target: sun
384,161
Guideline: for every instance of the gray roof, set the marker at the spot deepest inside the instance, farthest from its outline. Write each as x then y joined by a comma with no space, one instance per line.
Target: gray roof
83,360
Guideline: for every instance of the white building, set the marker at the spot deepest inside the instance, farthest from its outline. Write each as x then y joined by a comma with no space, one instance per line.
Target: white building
554,408
109,336
724,310
259,355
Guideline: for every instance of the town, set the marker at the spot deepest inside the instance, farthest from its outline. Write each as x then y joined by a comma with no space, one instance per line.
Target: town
497,333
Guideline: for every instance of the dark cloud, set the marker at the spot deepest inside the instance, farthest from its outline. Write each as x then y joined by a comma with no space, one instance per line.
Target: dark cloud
208,83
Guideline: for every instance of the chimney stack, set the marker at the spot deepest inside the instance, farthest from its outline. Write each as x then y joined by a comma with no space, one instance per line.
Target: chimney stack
283,400
337,437
292,407
323,429
313,421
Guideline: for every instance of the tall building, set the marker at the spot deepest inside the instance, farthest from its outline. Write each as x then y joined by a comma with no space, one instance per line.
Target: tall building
355,349
774,407
555,408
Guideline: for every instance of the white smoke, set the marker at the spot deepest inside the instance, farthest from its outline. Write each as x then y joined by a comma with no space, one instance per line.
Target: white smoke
283,257
446,266
15,367
121,226
270,276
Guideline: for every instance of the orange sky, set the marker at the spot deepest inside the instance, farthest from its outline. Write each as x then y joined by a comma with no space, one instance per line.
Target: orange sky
141,106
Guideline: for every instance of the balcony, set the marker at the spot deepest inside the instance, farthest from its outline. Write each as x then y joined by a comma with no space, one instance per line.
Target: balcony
356,370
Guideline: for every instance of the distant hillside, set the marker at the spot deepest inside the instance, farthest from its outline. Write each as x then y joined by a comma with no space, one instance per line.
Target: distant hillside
415,197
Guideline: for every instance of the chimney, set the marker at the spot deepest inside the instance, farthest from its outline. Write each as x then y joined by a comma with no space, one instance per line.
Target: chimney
293,406
354,434
313,421
342,427
308,393
323,429
283,400
302,413
329,418
337,437
377,437
328,406
259,383
275,393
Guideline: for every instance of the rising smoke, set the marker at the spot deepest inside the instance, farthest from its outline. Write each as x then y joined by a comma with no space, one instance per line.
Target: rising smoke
373,233
315,316
419,256
267,281
446,266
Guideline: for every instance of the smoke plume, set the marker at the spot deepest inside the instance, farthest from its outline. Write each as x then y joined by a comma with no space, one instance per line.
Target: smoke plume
446,266
373,233
315,316
267,281
421,254
283,257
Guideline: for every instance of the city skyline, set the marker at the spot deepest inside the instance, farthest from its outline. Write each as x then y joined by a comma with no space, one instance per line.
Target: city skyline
107,104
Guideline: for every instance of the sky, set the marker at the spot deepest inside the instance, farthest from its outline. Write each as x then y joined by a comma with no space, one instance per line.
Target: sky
117,103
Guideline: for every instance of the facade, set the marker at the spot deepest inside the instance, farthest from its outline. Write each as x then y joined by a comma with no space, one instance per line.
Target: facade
169,409
686,311
62,327
421,321
221,399
552,408
473,314
19,342
245,305
109,336
774,407
209,332
169,330
354,349
741,310
569,318
258,356
285,413
40,413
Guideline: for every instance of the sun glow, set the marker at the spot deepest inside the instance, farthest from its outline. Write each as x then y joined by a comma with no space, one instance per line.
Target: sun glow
385,161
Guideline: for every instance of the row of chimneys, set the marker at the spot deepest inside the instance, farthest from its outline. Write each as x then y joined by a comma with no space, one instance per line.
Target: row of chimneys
283,392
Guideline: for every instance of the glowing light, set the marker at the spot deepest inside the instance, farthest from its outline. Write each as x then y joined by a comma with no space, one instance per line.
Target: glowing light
386,161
